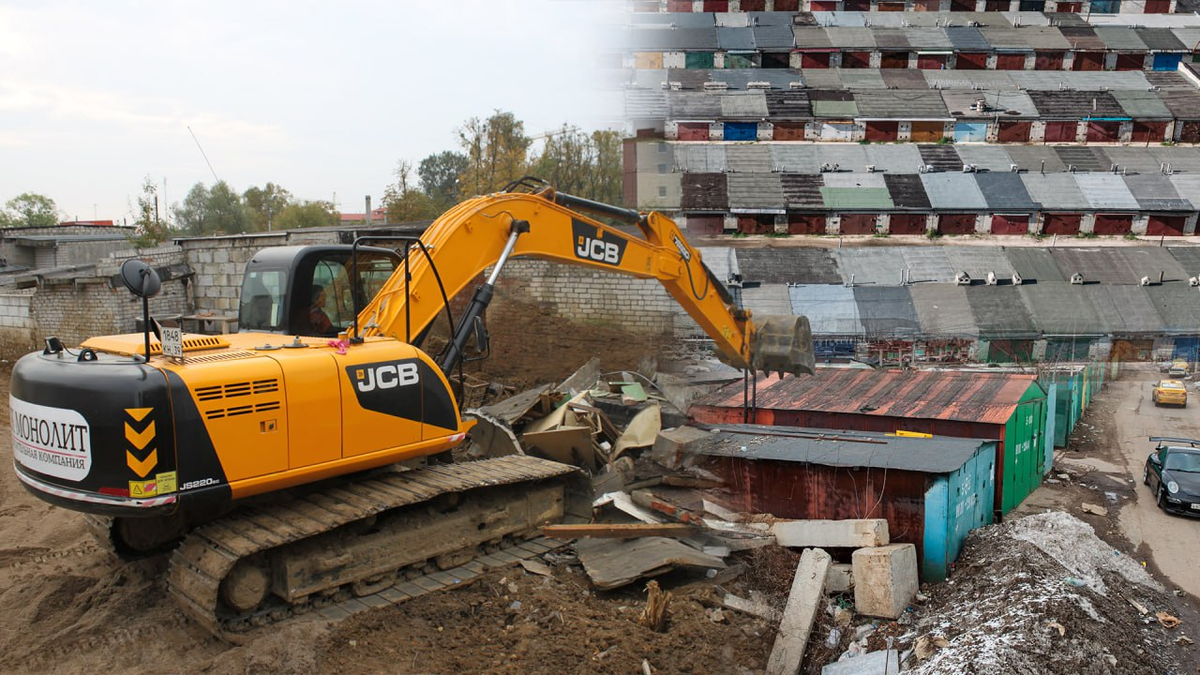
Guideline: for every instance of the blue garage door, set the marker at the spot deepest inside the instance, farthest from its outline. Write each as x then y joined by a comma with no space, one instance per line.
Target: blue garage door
1167,61
741,131
1187,348
970,132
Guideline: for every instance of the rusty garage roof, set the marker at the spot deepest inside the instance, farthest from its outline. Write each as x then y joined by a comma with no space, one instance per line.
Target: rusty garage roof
989,398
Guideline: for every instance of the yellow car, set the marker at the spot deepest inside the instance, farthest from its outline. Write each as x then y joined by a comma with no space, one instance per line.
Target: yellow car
1169,391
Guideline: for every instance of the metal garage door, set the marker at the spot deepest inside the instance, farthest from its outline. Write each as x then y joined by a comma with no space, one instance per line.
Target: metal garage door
838,131
856,59
814,59
883,132
806,223
970,132
907,223
928,132
755,223
1167,61
858,223
956,223
1149,132
1048,61
1010,61
697,224
789,131
1062,132
1062,223
741,131
1088,61
1131,61
1008,223
1113,223
1103,132
971,61
1014,132
1168,225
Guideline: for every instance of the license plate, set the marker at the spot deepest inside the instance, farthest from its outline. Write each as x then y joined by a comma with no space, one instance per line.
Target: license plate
1196,507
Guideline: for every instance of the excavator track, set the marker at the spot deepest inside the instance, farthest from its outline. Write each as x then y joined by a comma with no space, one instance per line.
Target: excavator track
371,543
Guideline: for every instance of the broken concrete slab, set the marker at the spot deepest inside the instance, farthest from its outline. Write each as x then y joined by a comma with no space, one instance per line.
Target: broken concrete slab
614,563
752,607
805,599
674,448
1093,509
885,580
882,662
840,579
832,533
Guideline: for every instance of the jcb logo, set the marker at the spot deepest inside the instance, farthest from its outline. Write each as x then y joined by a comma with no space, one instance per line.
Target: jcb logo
387,376
600,251
590,244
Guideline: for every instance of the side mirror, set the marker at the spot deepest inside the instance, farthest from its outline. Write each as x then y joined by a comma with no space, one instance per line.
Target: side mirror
1155,459
140,278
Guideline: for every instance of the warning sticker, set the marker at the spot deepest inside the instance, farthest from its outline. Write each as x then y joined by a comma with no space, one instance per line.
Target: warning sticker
166,482
143,488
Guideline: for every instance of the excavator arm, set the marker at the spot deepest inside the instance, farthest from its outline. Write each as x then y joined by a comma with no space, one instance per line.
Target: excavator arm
486,231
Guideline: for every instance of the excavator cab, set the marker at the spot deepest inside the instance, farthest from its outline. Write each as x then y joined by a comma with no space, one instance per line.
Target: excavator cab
287,289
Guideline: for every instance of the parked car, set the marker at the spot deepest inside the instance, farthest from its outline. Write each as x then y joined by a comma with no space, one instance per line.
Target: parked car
1178,369
1173,473
1170,392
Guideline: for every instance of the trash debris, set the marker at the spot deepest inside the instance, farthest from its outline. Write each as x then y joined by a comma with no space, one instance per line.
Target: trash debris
614,563
1094,510
1183,640
1062,630
715,615
1166,620
833,639
1075,581
535,567
654,616
883,662
1139,606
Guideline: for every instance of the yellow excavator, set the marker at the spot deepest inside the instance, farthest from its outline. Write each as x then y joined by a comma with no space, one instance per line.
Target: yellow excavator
276,461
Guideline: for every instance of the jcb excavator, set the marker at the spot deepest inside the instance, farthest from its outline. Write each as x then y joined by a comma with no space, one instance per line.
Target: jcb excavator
273,455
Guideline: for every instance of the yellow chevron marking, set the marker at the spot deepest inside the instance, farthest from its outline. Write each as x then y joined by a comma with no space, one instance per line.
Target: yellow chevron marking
138,414
139,439
142,469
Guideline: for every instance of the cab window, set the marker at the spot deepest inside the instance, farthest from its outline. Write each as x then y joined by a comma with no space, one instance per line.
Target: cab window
261,306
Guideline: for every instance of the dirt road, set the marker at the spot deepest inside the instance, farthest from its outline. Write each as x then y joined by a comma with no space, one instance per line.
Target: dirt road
1169,540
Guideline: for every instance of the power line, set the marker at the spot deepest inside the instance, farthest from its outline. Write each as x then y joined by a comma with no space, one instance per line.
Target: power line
202,154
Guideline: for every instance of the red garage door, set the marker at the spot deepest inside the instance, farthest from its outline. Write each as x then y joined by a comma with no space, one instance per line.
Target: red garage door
883,132
1189,131
857,5
1113,223
716,5
858,223
705,224
956,223
789,131
1062,223
1103,132
814,59
693,131
1157,7
754,5
856,59
971,61
907,223
931,61
1070,7
928,132
962,5
893,60
793,6
1088,61
755,223
1168,225
1010,224
1048,61
1131,61
679,5
1014,132
1149,132
1010,62
806,223
822,5
1062,132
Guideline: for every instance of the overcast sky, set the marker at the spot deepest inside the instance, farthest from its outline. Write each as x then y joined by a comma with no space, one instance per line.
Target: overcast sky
321,98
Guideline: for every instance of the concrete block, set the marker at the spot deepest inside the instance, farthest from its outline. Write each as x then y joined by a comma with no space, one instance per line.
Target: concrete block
674,447
805,600
840,578
883,662
832,533
885,580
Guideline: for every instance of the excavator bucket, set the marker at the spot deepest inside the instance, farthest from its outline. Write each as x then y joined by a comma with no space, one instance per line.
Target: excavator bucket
782,344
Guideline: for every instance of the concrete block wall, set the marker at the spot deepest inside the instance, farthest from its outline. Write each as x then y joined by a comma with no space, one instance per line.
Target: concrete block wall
16,322
218,264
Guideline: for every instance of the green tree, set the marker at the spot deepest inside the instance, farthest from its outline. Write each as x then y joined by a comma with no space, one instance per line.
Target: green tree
439,176
213,211
263,204
496,150
149,229
405,203
306,214
586,165
30,210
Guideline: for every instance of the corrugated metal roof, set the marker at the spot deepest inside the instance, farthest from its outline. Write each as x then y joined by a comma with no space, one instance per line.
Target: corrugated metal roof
987,398
768,299
1125,309
1177,306
771,18
1075,105
902,78
863,78
1118,264
783,105
907,191
891,38
1005,190
1120,38
1061,308
903,157
803,191
1155,194
1181,158
693,105
941,157
1005,38
940,454
1160,39
851,38
1002,102
811,37
792,265
999,312
705,191
992,158
886,310
1083,158
644,104
735,39
910,104
795,158
943,310
977,261
1044,37
1031,157
1053,80
672,39
835,109
1142,104
870,266
953,191
731,19
700,157
1182,104
1082,38
1106,191
1034,264
753,158
927,263
773,37
822,78
854,180
1188,36
857,198
928,38
845,156
830,309
964,79
967,39
1188,258
755,191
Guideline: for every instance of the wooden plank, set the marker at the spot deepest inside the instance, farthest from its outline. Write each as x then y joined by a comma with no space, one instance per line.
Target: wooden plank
610,564
618,531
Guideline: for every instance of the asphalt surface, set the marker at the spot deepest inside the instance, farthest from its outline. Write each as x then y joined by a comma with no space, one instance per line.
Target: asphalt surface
1171,540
